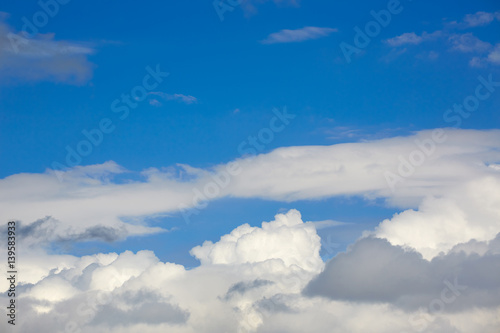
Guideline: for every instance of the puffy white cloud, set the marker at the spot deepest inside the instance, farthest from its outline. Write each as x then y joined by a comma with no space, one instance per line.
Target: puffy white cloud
471,210
247,244
252,278
109,291
258,289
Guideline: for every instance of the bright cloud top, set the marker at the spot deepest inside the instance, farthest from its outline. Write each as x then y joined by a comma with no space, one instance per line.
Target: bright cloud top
264,279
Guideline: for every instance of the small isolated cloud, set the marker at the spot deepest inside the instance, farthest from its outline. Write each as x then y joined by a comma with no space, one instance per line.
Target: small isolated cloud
468,43
327,224
43,58
155,102
186,99
394,54
477,62
430,56
412,38
250,6
406,38
298,35
494,56
480,19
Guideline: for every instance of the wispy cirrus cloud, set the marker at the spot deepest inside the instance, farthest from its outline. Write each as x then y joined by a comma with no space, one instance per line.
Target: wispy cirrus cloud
413,38
480,18
186,99
297,35
43,58
477,19
493,57
468,43
250,6
464,42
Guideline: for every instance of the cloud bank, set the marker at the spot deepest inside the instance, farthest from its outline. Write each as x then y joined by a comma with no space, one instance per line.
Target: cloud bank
265,279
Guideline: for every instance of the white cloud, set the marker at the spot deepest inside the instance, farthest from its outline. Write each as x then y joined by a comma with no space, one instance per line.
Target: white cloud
155,102
298,35
248,244
406,38
43,58
462,42
88,204
413,38
494,55
250,6
480,19
468,43
471,211
373,270
259,289
186,99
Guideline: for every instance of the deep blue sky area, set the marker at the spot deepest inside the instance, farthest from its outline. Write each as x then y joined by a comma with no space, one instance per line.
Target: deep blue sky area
234,80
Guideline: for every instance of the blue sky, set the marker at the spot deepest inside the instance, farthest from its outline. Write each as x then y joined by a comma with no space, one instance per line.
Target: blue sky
225,67
226,80
236,81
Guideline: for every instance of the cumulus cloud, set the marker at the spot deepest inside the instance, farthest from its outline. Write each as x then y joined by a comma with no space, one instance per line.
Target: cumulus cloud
297,35
471,211
110,292
43,58
244,244
373,270
260,289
